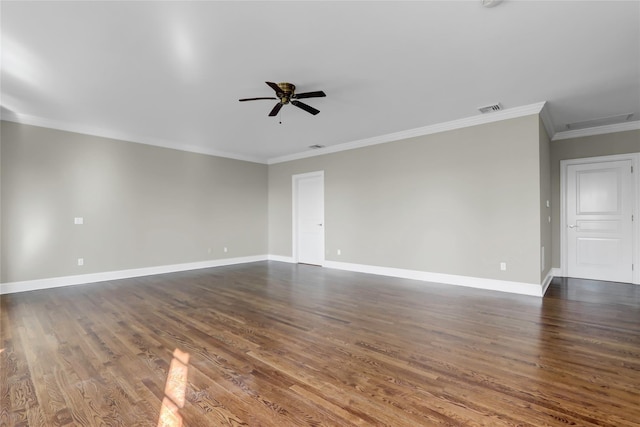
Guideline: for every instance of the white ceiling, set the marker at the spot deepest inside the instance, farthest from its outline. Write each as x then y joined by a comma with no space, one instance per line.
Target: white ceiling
171,73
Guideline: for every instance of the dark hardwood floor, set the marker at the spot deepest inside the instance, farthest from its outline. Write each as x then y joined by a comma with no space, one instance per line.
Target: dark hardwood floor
273,344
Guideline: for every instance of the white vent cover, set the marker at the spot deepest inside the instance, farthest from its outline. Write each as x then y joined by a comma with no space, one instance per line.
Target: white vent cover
490,3
490,108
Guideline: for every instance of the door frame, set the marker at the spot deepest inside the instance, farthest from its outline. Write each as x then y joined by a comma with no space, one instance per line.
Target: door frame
564,164
295,179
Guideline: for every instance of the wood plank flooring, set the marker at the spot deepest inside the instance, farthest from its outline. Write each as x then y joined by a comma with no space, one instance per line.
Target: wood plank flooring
273,344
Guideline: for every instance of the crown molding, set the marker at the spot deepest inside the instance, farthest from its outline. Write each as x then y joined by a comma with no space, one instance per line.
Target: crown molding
421,131
12,116
540,108
599,130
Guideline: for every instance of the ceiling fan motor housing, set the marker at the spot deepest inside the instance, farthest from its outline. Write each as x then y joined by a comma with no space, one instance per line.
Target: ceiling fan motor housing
288,90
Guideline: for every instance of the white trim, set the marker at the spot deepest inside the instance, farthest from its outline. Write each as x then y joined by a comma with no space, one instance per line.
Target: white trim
509,113
56,282
598,130
281,258
635,161
537,108
532,289
547,280
426,130
294,210
104,133
479,283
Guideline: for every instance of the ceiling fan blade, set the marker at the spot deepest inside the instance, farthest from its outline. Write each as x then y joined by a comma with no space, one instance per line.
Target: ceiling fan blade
274,87
316,94
254,99
305,107
276,109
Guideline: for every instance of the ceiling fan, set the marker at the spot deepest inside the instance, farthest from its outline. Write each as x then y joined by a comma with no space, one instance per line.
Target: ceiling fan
285,92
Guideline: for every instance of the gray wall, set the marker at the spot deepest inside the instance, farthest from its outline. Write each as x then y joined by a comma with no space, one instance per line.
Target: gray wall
545,195
457,202
578,148
143,206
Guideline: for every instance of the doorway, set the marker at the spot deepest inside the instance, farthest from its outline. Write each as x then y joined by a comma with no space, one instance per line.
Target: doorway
598,233
308,218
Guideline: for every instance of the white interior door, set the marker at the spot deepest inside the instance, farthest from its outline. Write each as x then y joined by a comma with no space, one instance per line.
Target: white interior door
309,218
599,228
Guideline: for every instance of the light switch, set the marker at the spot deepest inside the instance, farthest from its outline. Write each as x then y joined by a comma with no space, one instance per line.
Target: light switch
78,220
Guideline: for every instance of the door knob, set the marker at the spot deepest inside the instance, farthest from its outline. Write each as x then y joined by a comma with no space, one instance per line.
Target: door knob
320,225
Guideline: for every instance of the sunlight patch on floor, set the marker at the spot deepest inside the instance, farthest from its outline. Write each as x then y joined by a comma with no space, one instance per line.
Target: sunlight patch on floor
175,390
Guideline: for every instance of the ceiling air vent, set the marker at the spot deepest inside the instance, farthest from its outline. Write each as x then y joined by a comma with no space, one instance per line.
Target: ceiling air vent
316,146
490,3
602,121
490,108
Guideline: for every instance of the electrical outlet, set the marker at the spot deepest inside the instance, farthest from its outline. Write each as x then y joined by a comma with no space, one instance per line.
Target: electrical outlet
80,261
339,252
225,249
78,220
208,250
503,266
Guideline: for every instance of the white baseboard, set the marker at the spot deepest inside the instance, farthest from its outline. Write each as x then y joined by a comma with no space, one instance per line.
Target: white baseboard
56,282
553,272
449,279
532,289
280,258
